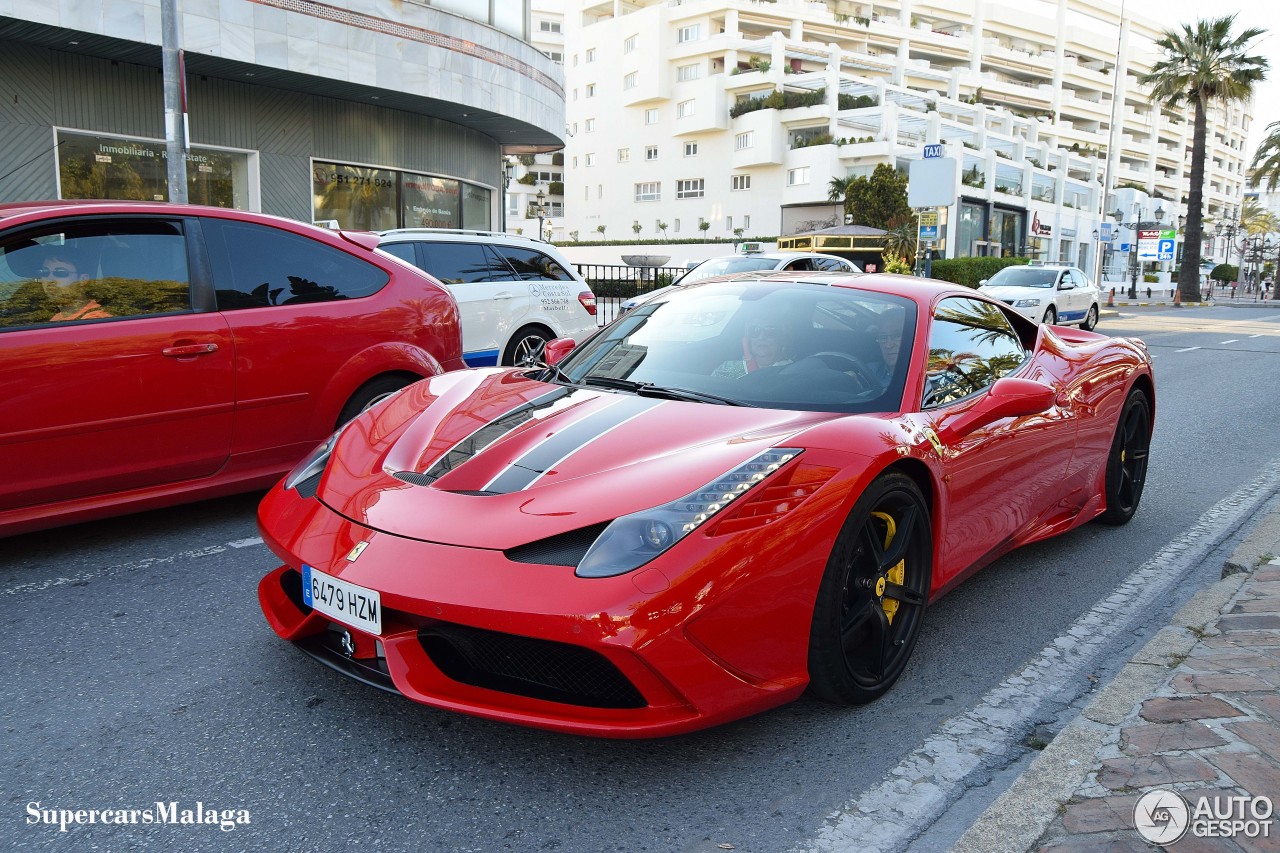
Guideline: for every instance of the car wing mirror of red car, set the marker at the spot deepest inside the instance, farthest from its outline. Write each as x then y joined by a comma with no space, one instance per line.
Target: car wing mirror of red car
555,351
1007,398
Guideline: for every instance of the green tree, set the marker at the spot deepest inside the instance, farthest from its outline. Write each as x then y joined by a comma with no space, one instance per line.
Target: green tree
1266,160
600,229
1203,64
635,228
704,226
900,236
838,192
662,226
877,200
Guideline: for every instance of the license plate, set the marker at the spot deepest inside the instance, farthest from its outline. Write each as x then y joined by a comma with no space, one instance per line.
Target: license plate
352,605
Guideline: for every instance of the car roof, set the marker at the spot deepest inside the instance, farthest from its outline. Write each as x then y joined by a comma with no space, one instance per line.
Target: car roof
461,235
921,289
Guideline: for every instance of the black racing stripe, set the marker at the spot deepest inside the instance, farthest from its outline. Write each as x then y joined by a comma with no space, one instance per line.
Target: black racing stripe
539,459
488,434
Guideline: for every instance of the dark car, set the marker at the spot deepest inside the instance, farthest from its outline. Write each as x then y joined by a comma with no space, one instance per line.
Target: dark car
158,353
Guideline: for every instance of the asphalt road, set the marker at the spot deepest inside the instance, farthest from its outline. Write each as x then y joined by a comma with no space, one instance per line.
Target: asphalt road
139,669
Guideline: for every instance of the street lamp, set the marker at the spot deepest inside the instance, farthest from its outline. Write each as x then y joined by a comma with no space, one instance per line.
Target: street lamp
540,201
1133,226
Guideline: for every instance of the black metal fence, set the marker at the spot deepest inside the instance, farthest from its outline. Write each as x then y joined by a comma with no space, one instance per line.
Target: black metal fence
615,284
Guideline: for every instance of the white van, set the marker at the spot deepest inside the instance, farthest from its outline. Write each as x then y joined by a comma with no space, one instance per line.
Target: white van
515,293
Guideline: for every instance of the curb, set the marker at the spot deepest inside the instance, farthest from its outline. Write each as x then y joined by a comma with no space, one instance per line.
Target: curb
1023,813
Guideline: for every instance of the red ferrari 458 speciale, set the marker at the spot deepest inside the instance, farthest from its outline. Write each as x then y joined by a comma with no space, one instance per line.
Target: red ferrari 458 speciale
738,491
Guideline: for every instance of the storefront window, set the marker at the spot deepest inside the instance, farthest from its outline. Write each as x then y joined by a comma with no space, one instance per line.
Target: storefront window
1007,229
970,230
355,196
475,207
112,167
430,202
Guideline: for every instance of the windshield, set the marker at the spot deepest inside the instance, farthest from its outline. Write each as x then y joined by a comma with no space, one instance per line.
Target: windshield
779,345
724,266
1024,277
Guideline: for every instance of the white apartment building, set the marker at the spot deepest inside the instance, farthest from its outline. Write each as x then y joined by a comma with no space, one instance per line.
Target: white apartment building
661,129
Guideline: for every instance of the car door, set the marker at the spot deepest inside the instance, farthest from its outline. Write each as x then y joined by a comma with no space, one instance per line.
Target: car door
553,292
1001,478
135,392
492,300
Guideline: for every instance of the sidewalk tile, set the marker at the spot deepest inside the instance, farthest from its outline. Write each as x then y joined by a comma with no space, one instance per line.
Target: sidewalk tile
1222,660
1191,844
1099,814
1168,737
1252,773
1267,575
1148,770
1269,705
1093,844
1265,736
1176,709
1269,604
1232,622
1270,844
1220,683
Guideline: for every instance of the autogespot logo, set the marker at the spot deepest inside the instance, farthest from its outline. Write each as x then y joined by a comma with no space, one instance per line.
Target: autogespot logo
1161,817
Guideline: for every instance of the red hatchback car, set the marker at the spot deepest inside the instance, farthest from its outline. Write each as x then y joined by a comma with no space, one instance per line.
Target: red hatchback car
157,353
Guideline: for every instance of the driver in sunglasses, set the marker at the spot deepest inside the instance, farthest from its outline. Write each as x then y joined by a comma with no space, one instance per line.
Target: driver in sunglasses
60,277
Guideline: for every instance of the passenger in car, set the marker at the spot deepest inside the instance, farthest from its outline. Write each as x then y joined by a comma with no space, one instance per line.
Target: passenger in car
889,340
767,343
55,295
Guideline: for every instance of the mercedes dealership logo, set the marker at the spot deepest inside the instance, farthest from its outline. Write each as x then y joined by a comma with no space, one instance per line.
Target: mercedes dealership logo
1161,817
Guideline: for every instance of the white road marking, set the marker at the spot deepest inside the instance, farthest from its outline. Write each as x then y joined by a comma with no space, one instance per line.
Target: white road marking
1188,349
123,568
1255,336
966,749
1232,341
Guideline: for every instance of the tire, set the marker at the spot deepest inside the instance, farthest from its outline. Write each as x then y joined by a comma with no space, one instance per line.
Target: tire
1090,319
872,597
372,392
1127,460
527,340
1050,316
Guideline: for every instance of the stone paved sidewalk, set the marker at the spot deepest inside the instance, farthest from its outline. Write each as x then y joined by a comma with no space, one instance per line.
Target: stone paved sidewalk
1212,730
1196,713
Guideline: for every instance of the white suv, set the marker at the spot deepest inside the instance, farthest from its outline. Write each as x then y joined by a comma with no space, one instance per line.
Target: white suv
514,293
1048,293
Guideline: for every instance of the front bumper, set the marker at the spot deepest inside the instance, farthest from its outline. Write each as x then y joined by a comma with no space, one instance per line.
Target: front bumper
645,654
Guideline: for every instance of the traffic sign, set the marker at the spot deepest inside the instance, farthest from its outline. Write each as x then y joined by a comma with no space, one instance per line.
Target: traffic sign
1164,251
931,151
928,232
929,217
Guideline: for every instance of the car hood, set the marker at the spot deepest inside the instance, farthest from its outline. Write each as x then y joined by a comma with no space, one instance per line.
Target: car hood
1011,292
491,459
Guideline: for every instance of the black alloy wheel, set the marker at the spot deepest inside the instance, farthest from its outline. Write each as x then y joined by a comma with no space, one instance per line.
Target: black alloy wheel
1050,316
1090,319
526,346
873,595
1127,461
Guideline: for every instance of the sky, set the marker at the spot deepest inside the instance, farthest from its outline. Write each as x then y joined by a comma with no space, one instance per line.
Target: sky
1258,13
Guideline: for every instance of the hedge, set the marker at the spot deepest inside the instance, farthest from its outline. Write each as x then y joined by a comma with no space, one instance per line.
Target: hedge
1225,272
971,271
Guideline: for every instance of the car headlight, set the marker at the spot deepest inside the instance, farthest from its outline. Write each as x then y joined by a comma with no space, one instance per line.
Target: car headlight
1025,303
633,540
314,462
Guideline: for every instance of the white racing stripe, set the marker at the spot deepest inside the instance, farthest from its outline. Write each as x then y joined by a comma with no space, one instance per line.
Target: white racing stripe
124,568
967,749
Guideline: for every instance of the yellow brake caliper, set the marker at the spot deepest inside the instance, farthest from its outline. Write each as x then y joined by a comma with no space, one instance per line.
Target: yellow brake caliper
895,575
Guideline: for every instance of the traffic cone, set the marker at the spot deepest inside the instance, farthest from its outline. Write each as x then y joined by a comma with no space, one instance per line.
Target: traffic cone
1111,298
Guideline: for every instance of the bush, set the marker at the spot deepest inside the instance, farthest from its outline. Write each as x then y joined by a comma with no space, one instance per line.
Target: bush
1225,272
1150,278
778,101
970,271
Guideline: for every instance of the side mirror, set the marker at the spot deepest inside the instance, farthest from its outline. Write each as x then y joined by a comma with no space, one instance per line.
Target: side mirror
1066,284
984,281
553,352
1008,398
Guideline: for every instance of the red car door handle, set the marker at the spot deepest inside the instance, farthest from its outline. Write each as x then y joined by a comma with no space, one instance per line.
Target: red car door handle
188,350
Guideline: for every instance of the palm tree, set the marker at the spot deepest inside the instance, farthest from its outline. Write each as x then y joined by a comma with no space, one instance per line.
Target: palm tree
900,238
1202,64
838,192
1266,160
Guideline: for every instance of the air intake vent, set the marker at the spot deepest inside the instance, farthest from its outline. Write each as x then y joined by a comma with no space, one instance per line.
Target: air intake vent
539,669
564,549
308,487
415,478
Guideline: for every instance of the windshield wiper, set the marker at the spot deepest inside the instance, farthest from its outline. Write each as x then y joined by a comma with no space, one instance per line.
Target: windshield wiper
649,389
547,372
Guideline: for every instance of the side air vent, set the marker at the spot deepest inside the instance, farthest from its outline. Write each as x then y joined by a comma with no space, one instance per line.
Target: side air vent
415,478
563,549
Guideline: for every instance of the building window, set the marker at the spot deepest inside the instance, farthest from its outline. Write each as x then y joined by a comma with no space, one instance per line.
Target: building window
684,108
691,149
549,26
575,161
741,182
591,54
554,55
586,193
591,160
631,80
629,45
651,116
651,152
651,191
624,155
692,33
590,125
591,90
599,191
690,189
796,177
746,222
675,225
744,140
688,72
